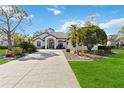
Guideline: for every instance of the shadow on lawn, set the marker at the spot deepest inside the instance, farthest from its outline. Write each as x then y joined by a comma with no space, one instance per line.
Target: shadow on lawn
38,56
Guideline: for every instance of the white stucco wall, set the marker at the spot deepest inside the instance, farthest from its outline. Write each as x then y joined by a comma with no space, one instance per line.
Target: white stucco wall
5,43
95,47
121,42
50,37
62,41
111,43
35,43
82,47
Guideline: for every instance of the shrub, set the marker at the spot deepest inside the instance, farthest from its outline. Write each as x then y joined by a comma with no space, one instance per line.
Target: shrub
112,47
107,49
17,50
67,50
100,52
30,50
3,47
34,49
28,47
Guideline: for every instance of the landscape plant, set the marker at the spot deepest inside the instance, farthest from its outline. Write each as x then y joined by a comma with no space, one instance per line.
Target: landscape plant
17,50
73,36
27,47
89,35
92,35
10,18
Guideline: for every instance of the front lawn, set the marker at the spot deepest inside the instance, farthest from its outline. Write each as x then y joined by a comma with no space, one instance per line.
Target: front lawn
105,73
2,61
2,52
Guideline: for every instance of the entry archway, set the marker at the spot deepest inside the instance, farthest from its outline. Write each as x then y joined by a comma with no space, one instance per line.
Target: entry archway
50,43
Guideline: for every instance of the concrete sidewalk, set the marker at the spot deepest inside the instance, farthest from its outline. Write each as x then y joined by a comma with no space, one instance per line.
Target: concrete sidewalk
46,68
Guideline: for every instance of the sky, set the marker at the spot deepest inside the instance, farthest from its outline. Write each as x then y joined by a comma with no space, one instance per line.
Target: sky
110,18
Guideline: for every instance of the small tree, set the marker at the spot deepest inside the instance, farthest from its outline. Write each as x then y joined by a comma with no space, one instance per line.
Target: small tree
93,34
73,36
10,18
18,38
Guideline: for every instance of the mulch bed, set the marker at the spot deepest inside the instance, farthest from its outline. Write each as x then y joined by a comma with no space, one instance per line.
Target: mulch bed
87,57
75,57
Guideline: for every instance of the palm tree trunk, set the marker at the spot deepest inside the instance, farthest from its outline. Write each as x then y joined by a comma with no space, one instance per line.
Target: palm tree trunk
76,48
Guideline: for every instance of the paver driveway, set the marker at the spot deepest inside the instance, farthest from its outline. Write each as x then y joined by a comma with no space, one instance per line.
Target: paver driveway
46,68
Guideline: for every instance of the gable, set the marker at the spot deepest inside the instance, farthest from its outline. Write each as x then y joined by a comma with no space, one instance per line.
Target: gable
56,35
43,35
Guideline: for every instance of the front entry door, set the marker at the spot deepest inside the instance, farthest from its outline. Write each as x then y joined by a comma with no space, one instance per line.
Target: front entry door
51,44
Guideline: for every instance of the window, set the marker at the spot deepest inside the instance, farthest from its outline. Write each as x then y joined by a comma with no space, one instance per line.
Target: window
1,42
38,43
60,46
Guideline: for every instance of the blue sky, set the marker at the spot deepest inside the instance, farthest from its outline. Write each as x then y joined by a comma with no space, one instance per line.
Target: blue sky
110,18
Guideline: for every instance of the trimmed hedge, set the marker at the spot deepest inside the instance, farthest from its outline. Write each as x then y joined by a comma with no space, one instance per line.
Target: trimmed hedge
100,52
107,49
3,47
67,50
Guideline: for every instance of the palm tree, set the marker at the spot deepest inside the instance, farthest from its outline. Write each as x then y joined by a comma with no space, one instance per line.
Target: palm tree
73,36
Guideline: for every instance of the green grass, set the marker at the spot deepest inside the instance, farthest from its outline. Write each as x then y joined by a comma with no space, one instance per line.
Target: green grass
104,73
2,61
2,52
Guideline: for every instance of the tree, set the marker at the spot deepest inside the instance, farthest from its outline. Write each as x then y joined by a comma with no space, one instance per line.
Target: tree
37,33
10,18
93,34
73,36
18,38
121,30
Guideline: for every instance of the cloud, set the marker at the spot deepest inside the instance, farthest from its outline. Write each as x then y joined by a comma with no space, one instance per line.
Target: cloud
55,11
110,27
114,23
65,26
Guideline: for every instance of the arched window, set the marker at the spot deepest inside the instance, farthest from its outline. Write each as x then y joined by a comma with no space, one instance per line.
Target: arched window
38,43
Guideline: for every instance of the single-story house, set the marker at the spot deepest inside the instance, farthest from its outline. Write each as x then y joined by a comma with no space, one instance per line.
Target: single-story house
51,40
55,40
116,40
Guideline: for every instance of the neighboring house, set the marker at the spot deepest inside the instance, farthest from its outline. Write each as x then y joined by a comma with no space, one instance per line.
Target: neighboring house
3,41
51,40
120,38
112,40
116,40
